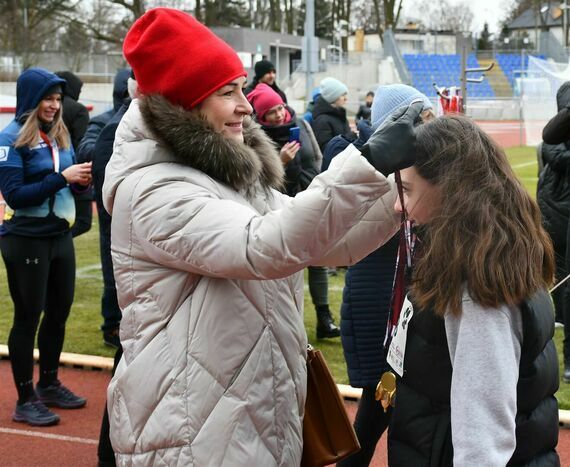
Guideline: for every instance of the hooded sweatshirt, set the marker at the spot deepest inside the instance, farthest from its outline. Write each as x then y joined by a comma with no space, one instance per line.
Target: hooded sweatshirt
97,123
553,189
75,115
39,201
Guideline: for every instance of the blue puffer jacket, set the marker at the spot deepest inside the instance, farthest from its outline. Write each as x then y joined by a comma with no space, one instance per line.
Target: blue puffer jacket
365,299
39,201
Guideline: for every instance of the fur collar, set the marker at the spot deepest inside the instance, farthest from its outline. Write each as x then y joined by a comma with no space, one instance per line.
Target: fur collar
195,143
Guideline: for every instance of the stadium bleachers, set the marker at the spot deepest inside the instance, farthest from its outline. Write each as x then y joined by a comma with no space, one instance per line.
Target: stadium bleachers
445,70
512,64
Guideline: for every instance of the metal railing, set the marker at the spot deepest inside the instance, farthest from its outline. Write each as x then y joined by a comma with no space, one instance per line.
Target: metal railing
391,49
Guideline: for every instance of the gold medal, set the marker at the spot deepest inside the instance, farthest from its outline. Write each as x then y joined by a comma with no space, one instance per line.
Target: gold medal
386,390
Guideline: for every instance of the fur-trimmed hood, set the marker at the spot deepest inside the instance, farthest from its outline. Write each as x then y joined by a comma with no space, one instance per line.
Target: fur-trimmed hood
173,134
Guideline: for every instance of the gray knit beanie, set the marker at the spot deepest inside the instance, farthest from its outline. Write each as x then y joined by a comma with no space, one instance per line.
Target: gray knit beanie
332,89
389,98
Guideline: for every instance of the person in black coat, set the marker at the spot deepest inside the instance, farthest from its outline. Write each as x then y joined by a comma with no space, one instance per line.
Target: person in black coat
364,110
88,152
557,130
329,113
75,114
76,119
84,151
553,196
103,151
301,160
265,73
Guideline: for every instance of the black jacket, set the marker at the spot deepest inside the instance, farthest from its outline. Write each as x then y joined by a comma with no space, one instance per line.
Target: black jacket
84,152
420,429
75,115
328,122
553,189
103,150
300,171
364,111
557,130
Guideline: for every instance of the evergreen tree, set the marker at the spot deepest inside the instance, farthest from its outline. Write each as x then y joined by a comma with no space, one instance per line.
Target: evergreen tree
484,42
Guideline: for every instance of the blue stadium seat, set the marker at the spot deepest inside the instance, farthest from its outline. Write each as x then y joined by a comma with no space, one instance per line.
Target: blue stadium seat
444,70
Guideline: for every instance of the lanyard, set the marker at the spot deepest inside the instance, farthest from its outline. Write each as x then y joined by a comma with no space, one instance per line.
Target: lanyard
403,266
410,239
54,151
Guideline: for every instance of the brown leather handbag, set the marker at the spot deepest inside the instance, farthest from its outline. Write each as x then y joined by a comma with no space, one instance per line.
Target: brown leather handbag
328,436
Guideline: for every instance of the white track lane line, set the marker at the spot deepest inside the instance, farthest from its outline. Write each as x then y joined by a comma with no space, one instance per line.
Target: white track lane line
37,434
523,164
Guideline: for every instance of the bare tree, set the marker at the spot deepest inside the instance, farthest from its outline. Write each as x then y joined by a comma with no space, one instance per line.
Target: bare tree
76,44
444,15
387,13
31,25
362,15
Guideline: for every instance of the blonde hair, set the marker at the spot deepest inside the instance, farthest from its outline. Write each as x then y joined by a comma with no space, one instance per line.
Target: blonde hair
30,132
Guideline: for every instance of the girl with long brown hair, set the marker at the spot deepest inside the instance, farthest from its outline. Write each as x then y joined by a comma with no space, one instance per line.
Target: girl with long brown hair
477,367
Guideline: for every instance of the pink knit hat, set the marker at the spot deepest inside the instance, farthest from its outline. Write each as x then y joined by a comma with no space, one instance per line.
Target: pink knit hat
262,99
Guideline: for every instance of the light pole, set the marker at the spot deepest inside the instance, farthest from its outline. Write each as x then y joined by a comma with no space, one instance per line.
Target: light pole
564,7
544,9
310,47
277,42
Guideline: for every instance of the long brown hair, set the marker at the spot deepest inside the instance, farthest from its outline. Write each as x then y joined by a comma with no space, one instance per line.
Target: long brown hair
30,132
487,235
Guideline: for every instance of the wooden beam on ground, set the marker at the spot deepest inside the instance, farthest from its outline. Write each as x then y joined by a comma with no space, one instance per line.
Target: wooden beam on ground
73,359
105,363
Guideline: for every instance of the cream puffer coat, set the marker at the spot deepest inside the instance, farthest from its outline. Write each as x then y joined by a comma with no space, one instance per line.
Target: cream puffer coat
208,260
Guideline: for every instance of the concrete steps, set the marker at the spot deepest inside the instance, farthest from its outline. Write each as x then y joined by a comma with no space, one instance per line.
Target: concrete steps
497,79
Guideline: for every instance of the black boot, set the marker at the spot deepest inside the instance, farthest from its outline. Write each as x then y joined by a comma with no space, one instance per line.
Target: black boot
325,323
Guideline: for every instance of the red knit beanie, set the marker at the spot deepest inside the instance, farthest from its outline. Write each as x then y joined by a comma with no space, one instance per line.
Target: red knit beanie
263,98
174,55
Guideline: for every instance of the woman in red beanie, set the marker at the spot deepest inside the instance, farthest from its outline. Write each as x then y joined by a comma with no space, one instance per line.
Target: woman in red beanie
208,257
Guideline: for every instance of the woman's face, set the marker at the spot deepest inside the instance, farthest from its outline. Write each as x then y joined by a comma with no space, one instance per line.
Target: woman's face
226,108
421,198
268,78
341,101
48,107
275,115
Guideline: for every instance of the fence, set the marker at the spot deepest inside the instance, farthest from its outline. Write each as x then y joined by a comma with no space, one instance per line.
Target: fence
89,67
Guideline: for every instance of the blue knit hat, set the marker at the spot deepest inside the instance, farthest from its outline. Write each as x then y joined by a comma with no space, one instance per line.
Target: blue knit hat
389,98
332,89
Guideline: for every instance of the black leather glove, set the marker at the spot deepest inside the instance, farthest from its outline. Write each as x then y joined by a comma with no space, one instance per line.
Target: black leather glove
393,145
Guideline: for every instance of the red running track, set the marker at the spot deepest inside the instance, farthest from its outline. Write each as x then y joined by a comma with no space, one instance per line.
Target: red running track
74,441
507,133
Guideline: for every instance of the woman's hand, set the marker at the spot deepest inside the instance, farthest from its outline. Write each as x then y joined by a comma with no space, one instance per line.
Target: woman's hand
288,151
393,145
78,173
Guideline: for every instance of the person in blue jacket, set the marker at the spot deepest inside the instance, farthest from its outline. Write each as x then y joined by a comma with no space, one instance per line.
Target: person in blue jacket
37,175
368,288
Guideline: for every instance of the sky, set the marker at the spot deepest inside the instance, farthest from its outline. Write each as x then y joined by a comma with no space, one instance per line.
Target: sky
490,11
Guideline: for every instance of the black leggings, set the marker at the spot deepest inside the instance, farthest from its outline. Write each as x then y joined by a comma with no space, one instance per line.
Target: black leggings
41,277
369,424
